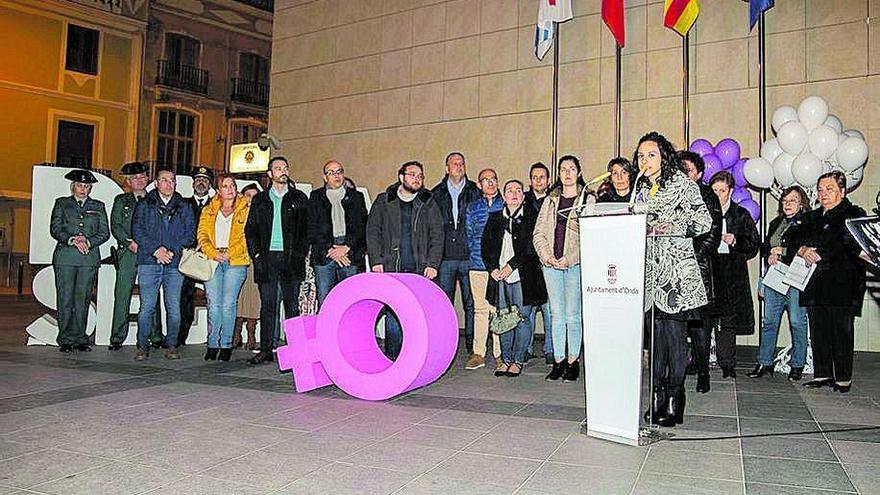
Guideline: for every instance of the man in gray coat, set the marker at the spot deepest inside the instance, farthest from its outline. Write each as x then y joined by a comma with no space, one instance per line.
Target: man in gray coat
405,235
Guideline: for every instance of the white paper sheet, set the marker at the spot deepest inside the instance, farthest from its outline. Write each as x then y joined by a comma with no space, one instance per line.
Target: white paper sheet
775,278
798,275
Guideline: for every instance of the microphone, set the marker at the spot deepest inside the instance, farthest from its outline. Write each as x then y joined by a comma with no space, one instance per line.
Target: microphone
632,197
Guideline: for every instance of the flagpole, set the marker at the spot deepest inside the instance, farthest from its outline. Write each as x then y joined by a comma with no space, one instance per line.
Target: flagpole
762,136
617,112
685,91
555,108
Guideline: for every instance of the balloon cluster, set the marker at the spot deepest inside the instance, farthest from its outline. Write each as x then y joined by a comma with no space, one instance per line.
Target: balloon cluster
809,142
726,156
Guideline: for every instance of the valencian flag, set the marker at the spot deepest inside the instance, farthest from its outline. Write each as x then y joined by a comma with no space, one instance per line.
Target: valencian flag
680,15
612,14
549,13
756,8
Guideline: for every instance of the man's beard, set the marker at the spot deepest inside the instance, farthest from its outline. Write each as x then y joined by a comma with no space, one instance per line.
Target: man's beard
408,188
280,180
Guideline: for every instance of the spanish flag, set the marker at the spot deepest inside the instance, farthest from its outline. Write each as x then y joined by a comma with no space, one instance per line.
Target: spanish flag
679,15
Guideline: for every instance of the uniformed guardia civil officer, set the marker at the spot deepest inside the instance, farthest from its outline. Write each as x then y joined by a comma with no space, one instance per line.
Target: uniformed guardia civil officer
79,224
136,179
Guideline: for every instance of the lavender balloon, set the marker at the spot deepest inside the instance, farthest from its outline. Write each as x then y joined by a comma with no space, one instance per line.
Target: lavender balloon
713,166
702,147
753,208
740,194
739,176
728,150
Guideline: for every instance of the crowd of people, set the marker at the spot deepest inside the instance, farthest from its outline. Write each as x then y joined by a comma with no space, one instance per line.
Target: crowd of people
501,247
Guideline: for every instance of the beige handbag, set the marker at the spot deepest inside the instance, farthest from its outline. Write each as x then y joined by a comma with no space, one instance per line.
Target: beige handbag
196,265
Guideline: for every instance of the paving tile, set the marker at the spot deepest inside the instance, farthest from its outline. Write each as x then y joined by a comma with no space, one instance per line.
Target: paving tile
431,484
766,489
38,467
328,446
856,433
15,449
204,485
399,455
857,452
788,447
192,456
497,470
761,426
344,479
663,484
117,478
705,465
554,478
825,475
851,415
713,424
466,420
866,479
501,442
270,468
437,436
588,451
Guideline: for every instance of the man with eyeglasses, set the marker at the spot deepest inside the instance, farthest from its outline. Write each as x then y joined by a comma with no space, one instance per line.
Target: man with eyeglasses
475,221
337,230
405,235
162,226
276,234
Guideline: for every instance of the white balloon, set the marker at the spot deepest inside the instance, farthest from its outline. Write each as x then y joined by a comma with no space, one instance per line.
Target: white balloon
782,115
828,166
793,137
806,169
852,153
854,178
770,150
834,122
854,133
782,169
759,173
823,142
813,111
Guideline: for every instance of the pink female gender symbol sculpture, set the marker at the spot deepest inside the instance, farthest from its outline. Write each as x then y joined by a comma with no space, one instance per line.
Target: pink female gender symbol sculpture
338,346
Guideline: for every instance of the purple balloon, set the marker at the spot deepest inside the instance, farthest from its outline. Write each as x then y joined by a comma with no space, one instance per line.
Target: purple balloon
753,208
702,147
739,176
713,166
740,194
728,150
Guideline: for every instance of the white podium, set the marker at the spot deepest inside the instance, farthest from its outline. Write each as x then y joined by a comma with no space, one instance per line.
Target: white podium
612,249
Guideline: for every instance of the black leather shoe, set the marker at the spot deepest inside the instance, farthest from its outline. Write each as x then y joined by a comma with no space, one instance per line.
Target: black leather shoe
262,357
760,370
659,405
676,404
703,383
795,374
225,354
819,383
83,348
211,354
844,389
728,372
572,372
65,348
557,371
114,347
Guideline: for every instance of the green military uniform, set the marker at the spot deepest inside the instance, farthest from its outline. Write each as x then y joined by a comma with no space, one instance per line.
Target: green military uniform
75,273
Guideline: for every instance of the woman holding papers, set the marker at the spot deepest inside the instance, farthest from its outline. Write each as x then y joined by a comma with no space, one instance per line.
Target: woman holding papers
739,243
834,295
774,249
674,285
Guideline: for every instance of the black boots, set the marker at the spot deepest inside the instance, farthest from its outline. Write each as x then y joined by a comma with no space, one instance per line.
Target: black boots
659,407
760,370
558,370
675,404
225,354
728,372
795,374
703,383
572,371
211,354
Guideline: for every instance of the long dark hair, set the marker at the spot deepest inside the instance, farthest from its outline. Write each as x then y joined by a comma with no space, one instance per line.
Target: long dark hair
669,162
577,165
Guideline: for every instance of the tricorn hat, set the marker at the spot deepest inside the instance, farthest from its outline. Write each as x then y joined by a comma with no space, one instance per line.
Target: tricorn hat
205,172
133,168
83,176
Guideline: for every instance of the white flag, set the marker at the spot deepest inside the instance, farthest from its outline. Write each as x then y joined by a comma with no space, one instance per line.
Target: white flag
549,13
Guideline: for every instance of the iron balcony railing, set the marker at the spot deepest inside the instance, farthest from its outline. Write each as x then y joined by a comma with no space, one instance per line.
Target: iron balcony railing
249,91
185,77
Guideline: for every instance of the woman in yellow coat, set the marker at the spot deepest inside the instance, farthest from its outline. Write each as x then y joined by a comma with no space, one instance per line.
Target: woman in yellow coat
221,238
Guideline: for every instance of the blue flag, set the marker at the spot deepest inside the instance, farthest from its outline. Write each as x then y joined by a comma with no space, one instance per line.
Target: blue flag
756,7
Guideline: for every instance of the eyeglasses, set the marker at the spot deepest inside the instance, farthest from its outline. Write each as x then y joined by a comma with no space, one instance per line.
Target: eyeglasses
489,180
415,175
334,172
791,201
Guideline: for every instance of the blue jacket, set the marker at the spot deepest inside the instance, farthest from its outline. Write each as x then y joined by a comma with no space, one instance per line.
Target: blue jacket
156,224
475,221
455,245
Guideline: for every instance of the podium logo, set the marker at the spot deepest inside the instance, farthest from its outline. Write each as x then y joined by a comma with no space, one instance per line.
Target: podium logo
612,273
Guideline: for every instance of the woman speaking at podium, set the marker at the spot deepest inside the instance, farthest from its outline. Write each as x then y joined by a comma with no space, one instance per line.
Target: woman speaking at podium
673,283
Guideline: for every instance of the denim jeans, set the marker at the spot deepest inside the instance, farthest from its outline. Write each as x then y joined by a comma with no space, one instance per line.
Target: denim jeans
564,293
393,334
150,279
514,343
328,275
450,272
222,291
774,304
548,325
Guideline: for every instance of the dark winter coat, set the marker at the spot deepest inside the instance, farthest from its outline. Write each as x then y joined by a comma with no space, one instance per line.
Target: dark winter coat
383,231
705,247
321,226
455,243
294,231
525,259
155,224
734,295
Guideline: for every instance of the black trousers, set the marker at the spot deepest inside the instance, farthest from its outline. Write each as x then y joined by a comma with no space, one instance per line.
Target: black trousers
669,351
700,332
187,309
831,329
725,344
269,298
